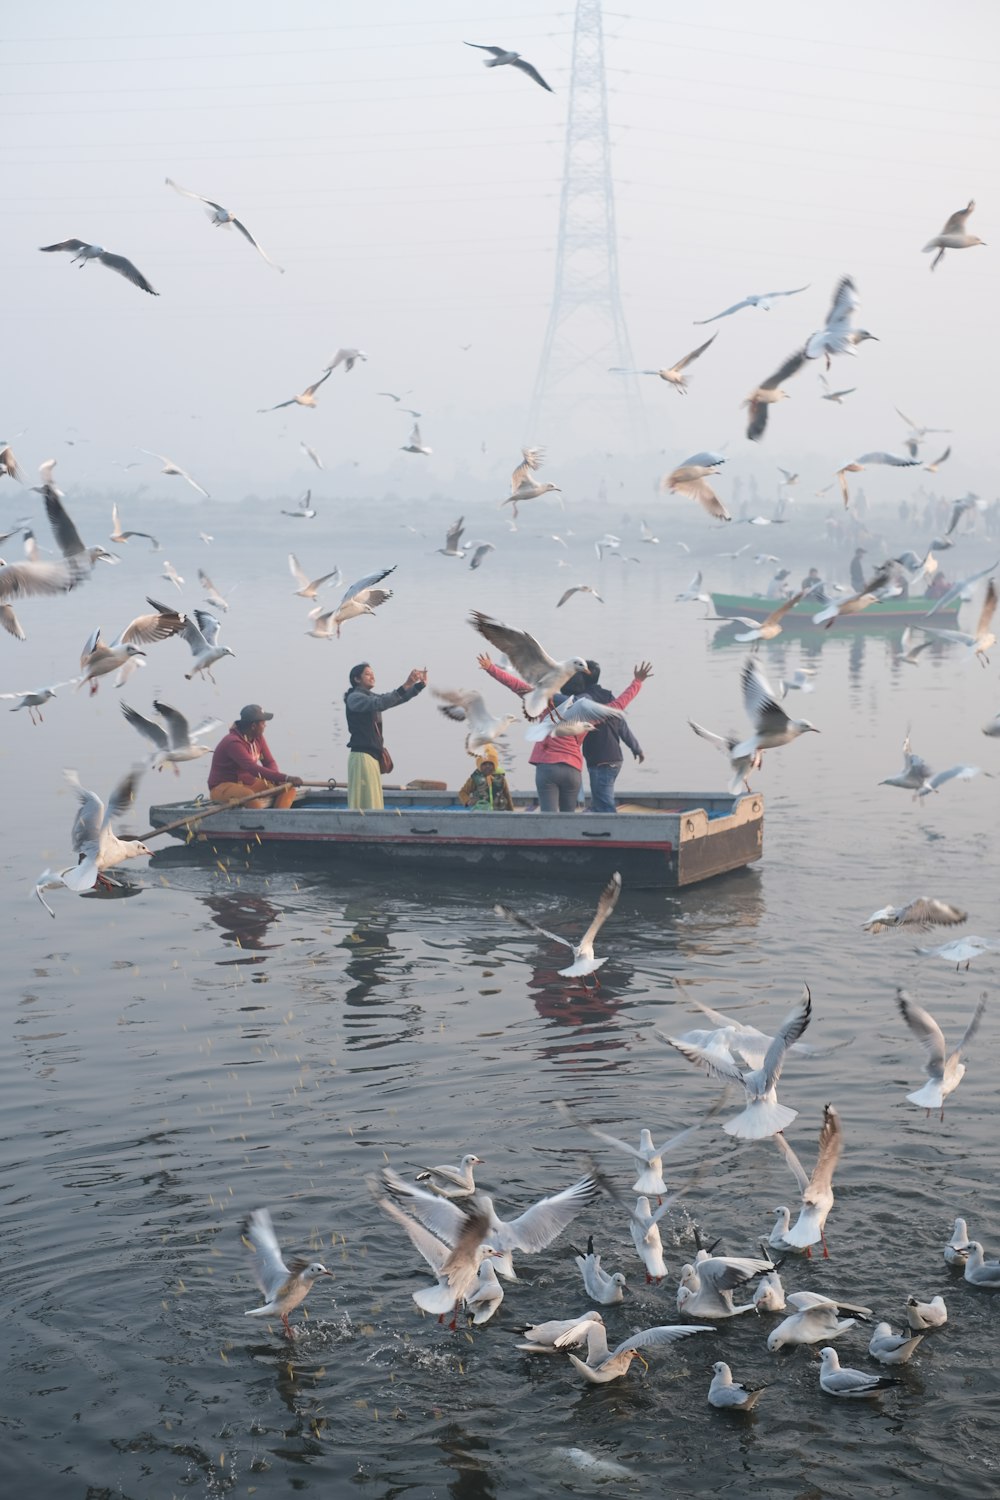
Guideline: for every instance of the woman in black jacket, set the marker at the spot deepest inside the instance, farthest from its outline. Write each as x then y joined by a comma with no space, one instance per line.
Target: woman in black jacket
368,759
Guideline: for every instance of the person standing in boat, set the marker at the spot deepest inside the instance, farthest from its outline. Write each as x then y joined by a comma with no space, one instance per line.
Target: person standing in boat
558,758
242,762
602,747
369,760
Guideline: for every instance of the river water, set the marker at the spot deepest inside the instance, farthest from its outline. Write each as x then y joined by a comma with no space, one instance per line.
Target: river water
230,1038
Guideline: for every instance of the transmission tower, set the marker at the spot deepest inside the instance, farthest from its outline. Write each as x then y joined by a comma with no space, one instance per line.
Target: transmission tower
587,332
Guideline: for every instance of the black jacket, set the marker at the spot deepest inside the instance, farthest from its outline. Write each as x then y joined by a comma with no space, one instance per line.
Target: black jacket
602,746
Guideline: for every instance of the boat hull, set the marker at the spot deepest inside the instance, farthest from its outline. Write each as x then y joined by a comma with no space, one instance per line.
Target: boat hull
659,840
887,614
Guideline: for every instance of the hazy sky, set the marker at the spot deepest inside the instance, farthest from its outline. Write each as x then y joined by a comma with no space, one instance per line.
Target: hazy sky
413,198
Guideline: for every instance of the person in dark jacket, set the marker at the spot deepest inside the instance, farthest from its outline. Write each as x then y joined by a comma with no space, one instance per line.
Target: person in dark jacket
858,570
365,708
602,747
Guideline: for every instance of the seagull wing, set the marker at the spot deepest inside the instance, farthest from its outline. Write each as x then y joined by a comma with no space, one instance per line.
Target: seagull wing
613,1140
794,291
68,539
790,1030
606,903
186,193
208,625
585,711
311,390
440,1215
526,67
269,1269
648,1338
367,583
722,742
177,725
688,358
568,595
895,459
925,912
125,268
797,1169
782,610
700,322
515,916
89,819
434,1251
532,459
988,609
926,1030
155,733
192,634
26,580
954,225
791,367
480,47
145,629
122,796
539,1225
845,302
972,1028
67,245
296,571
758,696
453,534
712,1062
831,1143
244,231
528,657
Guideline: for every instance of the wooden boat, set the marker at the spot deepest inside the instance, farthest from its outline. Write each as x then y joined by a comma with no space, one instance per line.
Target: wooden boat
887,614
658,839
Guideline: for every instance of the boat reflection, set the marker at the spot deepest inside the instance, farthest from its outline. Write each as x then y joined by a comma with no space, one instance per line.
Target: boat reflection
245,920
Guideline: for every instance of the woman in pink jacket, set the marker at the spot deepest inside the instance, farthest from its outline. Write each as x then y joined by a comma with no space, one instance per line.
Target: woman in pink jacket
558,759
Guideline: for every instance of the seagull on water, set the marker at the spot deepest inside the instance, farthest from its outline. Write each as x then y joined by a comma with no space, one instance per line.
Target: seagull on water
675,374
762,300
307,397
454,1252
172,741
814,1319
817,1190
362,598
923,912
952,237
932,1314
223,218
584,962
848,1383
169,467
945,1070
706,1288
83,252
544,675
956,1252
558,1334
603,1364
727,1394
763,1115
600,1285
501,57
893,1348
978,1270
283,1286
452,1182
466,706
95,843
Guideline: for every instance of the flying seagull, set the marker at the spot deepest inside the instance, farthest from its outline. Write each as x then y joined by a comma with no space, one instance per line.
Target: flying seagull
362,598
858,465
837,336
945,1070
84,252
674,375
581,588
307,398
923,912
416,444
544,675
772,726
500,57
311,453
97,846
836,396
759,299
308,588
453,538
283,1286
584,961
691,478
522,485
169,467
465,706
984,637
817,1190
121,537
768,392
222,218
304,510
348,358
175,742
952,236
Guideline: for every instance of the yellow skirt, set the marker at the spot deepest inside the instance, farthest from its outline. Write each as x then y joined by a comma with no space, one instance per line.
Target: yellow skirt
364,782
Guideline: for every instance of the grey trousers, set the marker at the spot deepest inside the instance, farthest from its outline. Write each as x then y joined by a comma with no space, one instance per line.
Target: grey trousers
558,787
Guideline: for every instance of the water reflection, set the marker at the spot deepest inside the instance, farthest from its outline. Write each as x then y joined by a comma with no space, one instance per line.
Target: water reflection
370,948
244,919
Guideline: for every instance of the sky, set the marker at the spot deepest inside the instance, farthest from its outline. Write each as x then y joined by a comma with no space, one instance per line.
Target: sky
413,198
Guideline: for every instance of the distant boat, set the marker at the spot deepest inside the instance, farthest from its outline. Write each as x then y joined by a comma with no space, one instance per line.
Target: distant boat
887,614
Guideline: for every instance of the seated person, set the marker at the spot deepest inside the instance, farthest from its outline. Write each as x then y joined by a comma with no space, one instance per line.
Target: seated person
242,763
486,789
938,585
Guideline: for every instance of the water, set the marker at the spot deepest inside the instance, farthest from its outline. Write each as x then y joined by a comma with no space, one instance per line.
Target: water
234,1038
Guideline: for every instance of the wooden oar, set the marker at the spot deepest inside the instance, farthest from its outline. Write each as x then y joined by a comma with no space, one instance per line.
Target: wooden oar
214,807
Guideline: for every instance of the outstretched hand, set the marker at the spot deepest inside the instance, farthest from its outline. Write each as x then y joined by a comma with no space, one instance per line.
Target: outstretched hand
485,660
642,671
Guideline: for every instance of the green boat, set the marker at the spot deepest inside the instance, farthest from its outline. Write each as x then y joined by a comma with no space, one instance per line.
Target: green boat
887,614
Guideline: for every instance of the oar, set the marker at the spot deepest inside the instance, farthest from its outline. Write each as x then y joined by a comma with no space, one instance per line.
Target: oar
215,807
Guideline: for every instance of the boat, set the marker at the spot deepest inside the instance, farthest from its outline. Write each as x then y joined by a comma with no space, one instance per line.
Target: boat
656,839
886,614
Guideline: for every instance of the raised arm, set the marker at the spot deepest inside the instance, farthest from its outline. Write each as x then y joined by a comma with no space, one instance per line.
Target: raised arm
508,679
640,673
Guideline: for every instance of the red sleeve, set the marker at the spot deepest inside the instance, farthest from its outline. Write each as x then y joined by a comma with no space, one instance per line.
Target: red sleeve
249,765
624,699
509,680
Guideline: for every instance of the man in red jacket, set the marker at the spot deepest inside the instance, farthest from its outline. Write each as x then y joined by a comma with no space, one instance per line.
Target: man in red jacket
243,763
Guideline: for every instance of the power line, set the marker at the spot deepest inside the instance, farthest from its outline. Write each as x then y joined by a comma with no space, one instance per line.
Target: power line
271,55
167,36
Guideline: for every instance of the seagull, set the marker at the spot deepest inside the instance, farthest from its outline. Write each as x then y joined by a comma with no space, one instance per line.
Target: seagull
172,744
452,1182
945,1070
32,580
311,453
362,598
284,1287
32,699
222,218
923,912
416,443
770,1294
308,588
706,1289
978,1270
691,479
614,1363
674,375
857,466
848,1383
202,635
584,962
558,1334
647,1158
169,467
581,588
983,639
694,593
97,846
305,510
453,536
737,1042
500,57
121,537
837,396
80,558
212,595
893,1348
454,1253
787,477
961,951
97,659
933,1314
799,682
815,1318
574,718
488,1295
83,252
917,433
959,588
762,300
817,1190
597,1283
992,729
766,630
837,336
171,574
9,464
960,507
952,236
768,392
531,661
727,1394
772,726
956,1252
647,534
644,1229
466,706
479,552
763,1115
522,486
307,398
348,358
910,650
741,765
918,778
